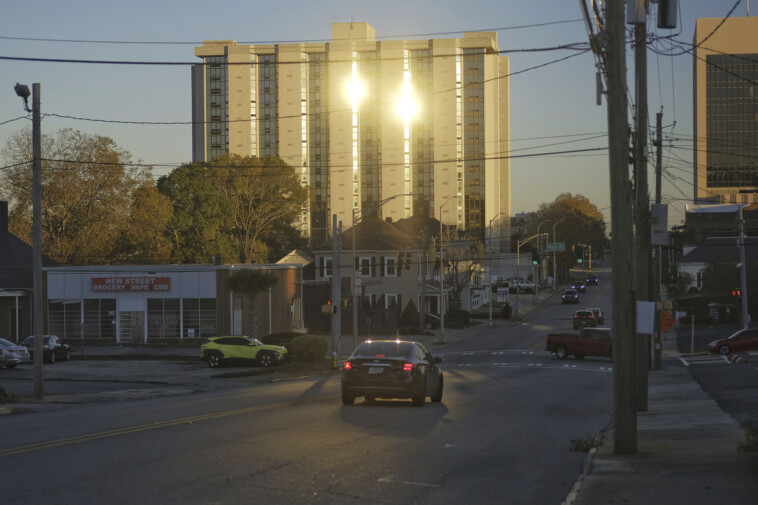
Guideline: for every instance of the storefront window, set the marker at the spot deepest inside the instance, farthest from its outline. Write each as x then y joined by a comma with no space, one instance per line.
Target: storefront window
199,317
99,318
163,318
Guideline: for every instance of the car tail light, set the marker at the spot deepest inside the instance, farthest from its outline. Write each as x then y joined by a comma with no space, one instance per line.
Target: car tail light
348,365
576,316
407,367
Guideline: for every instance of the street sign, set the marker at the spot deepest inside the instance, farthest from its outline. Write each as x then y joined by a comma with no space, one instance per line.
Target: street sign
556,246
667,321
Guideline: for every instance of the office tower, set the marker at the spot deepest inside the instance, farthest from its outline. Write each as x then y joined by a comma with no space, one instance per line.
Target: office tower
394,128
726,110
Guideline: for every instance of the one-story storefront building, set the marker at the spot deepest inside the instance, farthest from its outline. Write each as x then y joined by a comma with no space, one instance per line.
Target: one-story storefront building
141,304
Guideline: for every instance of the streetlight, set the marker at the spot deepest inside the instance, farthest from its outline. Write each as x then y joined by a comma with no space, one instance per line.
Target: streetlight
442,277
555,268
23,92
539,252
363,212
518,261
489,275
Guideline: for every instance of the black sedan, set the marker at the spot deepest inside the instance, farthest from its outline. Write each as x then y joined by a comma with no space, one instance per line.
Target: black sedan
53,348
391,369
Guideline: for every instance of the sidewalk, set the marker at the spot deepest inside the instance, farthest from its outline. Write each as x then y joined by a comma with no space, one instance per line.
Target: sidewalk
687,451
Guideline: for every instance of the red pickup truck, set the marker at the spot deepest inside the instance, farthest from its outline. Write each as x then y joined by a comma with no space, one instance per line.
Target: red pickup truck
588,342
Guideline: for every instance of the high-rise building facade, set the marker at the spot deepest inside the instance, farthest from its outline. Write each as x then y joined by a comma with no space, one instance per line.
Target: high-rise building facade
726,110
394,128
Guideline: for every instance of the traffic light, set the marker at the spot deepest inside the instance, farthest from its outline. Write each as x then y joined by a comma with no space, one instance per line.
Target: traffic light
737,292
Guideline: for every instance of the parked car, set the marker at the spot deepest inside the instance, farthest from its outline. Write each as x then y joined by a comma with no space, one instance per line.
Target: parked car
743,340
12,355
599,317
591,280
53,348
579,286
570,296
584,318
282,339
522,286
392,369
217,351
431,321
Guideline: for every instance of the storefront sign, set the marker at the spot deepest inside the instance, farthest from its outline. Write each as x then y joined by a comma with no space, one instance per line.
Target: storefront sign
131,284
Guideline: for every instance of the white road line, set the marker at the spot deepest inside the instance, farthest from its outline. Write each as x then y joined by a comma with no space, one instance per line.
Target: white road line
409,483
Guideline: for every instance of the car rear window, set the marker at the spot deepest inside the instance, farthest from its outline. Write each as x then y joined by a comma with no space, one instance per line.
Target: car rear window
384,349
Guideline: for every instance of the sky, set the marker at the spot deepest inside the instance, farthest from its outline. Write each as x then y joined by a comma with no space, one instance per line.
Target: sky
553,103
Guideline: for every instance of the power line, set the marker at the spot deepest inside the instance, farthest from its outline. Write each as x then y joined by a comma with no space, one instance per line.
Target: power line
264,42
577,46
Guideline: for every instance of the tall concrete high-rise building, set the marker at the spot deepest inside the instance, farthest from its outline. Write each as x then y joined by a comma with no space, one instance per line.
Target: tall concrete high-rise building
726,110
423,123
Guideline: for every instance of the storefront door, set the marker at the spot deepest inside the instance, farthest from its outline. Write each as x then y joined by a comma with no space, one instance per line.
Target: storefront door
131,327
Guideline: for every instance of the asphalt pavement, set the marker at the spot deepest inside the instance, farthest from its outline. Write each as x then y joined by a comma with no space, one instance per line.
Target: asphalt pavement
688,449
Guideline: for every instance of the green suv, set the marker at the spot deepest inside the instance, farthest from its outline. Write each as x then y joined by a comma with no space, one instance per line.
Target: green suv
219,350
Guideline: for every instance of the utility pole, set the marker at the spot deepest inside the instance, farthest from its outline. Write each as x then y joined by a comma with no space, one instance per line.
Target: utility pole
336,286
658,249
39,308
624,412
743,269
22,91
642,211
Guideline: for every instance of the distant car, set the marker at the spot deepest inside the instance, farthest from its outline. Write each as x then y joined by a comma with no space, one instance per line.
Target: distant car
53,348
570,296
217,351
12,355
743,340
579,286
591,280
392,369
599,317
521,285
583,319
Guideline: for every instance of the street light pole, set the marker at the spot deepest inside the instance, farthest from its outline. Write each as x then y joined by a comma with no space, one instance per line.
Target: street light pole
489,274
442,277
539,254
518,262
23,92
555,266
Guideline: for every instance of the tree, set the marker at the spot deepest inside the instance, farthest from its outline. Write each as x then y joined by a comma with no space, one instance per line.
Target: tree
267,197
463,256
144,240
582,223
88,186
250,283
201,223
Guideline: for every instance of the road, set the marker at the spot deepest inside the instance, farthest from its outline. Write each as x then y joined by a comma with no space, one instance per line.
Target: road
506,431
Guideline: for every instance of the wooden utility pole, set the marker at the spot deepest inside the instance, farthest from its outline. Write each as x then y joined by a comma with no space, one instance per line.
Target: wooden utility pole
657,344
642,213
624,412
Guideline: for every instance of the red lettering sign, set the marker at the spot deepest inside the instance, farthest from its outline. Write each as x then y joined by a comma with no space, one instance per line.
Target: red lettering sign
130,284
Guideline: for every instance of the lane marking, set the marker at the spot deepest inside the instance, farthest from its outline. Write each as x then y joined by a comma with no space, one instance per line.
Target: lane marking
407,482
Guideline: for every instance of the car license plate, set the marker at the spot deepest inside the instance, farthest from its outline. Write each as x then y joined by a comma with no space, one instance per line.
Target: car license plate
375,370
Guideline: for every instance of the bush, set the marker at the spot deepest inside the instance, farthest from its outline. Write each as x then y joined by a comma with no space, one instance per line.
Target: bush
310,348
